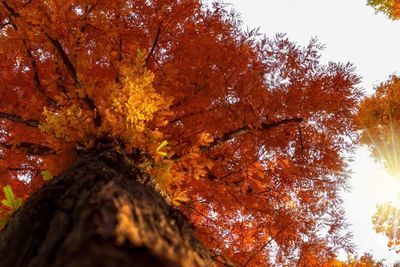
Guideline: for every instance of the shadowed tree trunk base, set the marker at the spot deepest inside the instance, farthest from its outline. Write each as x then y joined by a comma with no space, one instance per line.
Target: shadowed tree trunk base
103,211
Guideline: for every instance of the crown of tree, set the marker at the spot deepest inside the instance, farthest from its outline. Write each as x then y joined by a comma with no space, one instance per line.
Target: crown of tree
246,135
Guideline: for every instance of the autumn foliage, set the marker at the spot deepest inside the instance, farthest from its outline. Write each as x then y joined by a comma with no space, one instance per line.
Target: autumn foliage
389,7
379,120
365,260
247,135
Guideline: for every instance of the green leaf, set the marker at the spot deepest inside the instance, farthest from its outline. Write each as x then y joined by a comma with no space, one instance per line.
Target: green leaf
7,203
18,203
46,175
8,193
161,146
10,200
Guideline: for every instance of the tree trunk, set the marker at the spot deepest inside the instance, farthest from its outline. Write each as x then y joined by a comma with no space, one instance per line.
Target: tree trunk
103,211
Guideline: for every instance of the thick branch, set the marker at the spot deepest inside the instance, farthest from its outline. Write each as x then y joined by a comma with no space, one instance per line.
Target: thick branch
10,9
72,71
12,12
68,64
30,148
36,77
245,130
2,26
18,119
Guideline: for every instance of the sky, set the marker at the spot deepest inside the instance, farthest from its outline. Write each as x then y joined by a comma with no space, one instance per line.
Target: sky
352,32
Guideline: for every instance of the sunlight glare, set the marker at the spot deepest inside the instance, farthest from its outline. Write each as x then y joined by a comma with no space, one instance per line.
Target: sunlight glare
387,188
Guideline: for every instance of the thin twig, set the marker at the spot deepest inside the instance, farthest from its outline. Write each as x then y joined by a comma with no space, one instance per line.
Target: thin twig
154,45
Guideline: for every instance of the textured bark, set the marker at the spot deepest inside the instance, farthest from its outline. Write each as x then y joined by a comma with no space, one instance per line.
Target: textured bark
103,211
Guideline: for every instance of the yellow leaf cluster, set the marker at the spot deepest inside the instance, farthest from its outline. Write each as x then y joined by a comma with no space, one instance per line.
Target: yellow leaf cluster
137,101
133,106
126,109
71,123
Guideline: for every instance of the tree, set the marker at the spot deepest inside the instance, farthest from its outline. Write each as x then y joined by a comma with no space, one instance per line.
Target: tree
390,8
366,260
379,118
385,221
244,135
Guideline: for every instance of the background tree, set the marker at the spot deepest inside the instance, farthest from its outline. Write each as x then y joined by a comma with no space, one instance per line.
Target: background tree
256,128
379,118
385,221
389,7
366,260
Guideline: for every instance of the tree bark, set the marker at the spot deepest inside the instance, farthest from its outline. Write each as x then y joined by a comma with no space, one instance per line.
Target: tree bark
103,211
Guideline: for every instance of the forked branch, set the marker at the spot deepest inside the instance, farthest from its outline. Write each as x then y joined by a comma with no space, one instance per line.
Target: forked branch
154,44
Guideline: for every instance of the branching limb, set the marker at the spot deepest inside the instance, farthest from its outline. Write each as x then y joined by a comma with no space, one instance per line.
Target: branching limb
13,14
36,78
18,119
65,59
2,26
72,71
11,10
154,44
245,130
30,148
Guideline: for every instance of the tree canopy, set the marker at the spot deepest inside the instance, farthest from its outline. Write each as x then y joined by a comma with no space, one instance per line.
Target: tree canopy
378,119
390,8
245,134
